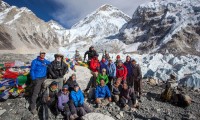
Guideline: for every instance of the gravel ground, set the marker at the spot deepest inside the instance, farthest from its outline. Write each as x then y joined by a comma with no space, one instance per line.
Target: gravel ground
150,108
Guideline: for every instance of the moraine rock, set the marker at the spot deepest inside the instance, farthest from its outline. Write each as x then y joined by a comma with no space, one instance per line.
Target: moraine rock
96,116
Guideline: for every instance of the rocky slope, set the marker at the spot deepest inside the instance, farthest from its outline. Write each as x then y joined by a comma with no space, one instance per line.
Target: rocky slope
21,30
165,26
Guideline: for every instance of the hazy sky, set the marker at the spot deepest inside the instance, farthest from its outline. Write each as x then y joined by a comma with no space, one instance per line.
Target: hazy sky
69,12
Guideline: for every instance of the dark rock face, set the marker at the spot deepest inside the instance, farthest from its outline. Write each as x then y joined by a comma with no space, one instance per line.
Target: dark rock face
5,40
165,26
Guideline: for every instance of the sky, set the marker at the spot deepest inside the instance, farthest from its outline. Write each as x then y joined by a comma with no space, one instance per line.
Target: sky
69,12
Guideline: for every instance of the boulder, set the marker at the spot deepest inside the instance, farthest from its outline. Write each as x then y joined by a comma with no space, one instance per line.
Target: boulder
97,116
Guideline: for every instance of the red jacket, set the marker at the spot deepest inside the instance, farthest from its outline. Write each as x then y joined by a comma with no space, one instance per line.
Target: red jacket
94,65
121,72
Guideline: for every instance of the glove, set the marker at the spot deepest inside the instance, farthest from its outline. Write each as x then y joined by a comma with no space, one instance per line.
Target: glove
80,105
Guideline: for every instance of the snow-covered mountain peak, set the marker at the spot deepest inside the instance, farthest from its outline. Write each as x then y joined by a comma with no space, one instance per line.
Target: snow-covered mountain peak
54,25
102,13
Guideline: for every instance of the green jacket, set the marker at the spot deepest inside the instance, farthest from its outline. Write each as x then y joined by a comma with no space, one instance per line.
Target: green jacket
100,76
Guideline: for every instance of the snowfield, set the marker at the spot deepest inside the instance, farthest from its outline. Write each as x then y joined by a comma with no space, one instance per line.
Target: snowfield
157,66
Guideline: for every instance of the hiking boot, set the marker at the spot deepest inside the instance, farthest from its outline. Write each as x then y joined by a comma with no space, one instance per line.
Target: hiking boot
126,108
73,117
97,105
34,112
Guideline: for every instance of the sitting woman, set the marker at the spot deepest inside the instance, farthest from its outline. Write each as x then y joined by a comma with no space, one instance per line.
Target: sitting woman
127,97
78,101
102,76
102,94
71,82
64,104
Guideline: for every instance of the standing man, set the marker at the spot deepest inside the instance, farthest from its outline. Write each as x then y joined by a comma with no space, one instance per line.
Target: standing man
57,70
91,53
136,78
111,72
128,65
121,71
38,75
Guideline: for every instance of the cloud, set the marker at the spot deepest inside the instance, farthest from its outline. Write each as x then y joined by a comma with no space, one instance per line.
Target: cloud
71,11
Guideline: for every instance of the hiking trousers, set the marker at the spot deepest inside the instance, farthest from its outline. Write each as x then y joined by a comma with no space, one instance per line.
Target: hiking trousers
83,110
37,85
138,87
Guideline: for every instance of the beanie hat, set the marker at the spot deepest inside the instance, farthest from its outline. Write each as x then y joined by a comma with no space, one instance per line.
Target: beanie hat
65,87
118,56
53,83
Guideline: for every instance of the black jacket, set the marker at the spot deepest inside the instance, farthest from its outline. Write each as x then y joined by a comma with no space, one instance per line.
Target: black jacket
57,69
136,72
90,53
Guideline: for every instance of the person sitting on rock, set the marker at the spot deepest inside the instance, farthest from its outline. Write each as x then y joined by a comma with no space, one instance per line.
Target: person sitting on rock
71,82
127,97
78,100
121,71
102,76
77,56
116,89
50,98
57,69
64,103
102,94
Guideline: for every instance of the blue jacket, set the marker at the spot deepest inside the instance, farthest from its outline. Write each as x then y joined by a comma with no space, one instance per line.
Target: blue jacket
39,68
103,65
129,68
112,70
102,92
77,97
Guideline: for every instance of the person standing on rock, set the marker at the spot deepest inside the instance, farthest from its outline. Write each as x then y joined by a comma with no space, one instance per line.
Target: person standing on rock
127,97
38,75
94,67
128,65
50,99
57,69
64,104
102,94
136,78
121,72
111,72
91,53
78,100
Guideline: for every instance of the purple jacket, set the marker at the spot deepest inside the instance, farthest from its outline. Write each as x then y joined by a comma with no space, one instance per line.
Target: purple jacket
62,99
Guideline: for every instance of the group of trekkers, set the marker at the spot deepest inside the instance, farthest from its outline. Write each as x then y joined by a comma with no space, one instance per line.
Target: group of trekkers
118,82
